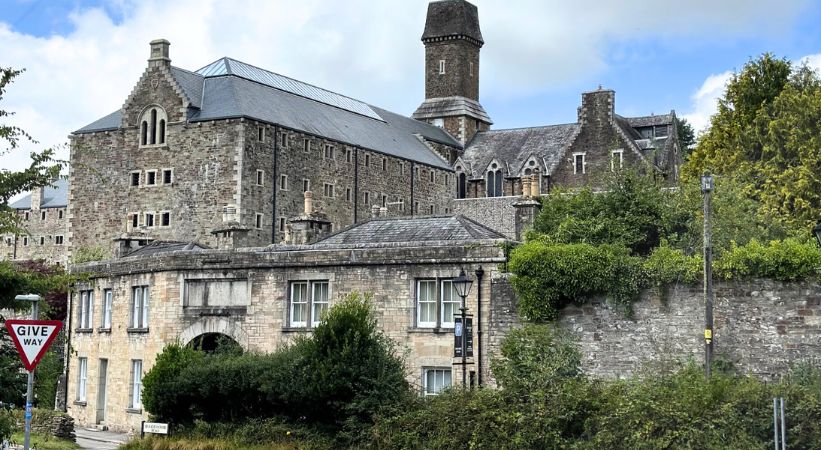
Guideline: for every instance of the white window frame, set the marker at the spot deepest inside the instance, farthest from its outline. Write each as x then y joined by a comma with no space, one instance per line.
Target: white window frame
86,309
82,379
108,303
313,298
329,151
153,219
446,300
258,221
306,185
139,175
163,214
140,300
423,297
136,392
170,173
613,155
320,300
446,380
328,190
260,177
441,67
148,174
283,182
583,156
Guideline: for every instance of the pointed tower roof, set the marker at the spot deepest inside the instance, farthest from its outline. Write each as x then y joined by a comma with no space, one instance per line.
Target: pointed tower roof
452,18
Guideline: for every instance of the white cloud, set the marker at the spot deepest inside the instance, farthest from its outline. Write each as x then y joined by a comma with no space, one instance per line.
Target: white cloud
364,49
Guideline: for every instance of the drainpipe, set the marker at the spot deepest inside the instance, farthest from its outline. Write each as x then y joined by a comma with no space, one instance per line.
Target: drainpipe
413,179
479,274
67,349
274,188
355,185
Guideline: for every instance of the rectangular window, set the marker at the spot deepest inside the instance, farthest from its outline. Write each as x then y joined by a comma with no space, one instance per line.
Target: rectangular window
149,219
438,122
579,163
347,194
309,300
329,151
281,224
436,379
261,134
384,201
306,185
426,303
150,177
416,207
401,201
283,182
85,310
167,176
366,199
135,220
329,190
384,163
450,303
60,214
470,68
82,378
136,400
139,307
432,176
108,303
283,140
58,240
165,219
135,178
616,160
42,215
401,167
42,240
258,221
27,215
260,177
432,210
367,160
441,67
661,131
25,241
348,155
306,145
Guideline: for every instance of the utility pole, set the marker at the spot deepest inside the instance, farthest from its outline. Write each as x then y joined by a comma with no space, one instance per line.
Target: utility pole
706,189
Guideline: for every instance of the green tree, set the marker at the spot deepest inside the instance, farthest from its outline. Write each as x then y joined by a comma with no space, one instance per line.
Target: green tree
766,136
686,136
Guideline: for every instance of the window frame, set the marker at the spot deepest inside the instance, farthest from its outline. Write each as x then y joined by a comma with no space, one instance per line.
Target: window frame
135,175
139,307
441,67
108,304
432,392
328,190
328,152
165,219
613,153
85,309
576,156
316,300
148,176
260,177
136,385
167,174
82,379
430,303
258,221
283,182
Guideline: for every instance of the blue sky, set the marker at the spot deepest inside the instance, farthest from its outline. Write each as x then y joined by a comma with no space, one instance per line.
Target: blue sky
82,57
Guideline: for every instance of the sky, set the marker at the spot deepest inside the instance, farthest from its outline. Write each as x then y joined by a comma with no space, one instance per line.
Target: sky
83,57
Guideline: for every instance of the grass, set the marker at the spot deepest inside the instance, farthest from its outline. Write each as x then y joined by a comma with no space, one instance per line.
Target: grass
43,442
171,443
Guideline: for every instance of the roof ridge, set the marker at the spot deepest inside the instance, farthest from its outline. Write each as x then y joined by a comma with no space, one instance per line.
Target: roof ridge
530,128
187,71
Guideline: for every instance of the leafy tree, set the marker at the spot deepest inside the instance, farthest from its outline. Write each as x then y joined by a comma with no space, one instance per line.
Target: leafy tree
686,136
766,136
12,377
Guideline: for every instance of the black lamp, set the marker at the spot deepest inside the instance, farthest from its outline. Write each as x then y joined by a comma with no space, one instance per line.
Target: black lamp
462,284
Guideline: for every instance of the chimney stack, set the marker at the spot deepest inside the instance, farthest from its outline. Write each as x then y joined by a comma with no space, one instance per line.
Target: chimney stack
159,54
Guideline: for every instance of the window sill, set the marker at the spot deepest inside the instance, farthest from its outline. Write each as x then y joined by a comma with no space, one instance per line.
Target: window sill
104,330
297,329
134,410
434,330
137,330
80,403
84,330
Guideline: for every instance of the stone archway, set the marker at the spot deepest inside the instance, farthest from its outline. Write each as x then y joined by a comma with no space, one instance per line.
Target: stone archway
214,326
215,342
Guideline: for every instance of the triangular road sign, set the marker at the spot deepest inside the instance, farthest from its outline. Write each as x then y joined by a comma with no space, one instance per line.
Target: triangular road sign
32,338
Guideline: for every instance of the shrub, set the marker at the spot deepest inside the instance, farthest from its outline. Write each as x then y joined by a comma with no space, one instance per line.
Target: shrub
785,260
667,265
534,357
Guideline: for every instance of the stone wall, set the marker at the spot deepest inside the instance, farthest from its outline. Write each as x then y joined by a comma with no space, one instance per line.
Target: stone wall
762,326
496,213
458,79
46,237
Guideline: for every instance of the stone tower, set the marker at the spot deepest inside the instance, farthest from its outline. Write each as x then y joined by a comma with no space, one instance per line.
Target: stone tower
452,41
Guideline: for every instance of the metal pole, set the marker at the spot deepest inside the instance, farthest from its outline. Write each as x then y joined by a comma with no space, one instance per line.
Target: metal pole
479,274
775,422
706,187
35,310
783,427
464,344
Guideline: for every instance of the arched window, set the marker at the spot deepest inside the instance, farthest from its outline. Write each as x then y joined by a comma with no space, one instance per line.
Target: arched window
462,186
144,133
494,181
153,126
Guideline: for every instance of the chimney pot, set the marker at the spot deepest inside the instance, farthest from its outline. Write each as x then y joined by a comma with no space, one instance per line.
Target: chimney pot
159,53
309,203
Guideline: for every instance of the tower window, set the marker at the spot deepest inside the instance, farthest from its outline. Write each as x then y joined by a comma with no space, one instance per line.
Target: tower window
348,194
152,126
42,215
384,200
165,219
329,151
261,134
167,176
441,67
366,198
494,182
384,163
579,164
329,190
461,188
367,160
306,145
432,176
616,160
260,177
151,177
258,221
283,182
348,154
306,185
283,140
135,178
281,224
470,68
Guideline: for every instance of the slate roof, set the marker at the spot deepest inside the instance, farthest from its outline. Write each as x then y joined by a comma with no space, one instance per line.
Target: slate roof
160,247
411,230
452,18
53,197
514,147
231,89
647,121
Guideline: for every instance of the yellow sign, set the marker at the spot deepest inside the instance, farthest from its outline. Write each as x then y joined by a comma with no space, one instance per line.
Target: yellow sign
708,334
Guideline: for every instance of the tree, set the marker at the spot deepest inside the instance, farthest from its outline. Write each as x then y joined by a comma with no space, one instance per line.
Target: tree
686,136
766,136
41,172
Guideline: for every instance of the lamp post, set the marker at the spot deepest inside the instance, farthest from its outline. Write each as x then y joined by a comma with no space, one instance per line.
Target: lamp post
706,189
462,285
35,310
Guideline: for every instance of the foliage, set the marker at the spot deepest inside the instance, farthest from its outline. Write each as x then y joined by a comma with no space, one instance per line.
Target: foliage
686,136
89,253
630,211
534,357
6,423
766,136
786,260
45,377
41,172
12,377
35,277
337,378
548,277
46,442
668,265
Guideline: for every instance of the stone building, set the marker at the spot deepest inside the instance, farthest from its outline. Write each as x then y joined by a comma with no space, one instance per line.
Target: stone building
164,292
42,215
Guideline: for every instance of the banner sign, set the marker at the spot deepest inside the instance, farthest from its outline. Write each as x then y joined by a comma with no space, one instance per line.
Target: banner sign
461,332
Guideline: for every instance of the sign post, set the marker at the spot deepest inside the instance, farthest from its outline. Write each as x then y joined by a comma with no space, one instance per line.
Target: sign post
32,338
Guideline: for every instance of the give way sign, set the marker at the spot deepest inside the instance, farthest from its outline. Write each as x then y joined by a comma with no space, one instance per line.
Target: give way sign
32,338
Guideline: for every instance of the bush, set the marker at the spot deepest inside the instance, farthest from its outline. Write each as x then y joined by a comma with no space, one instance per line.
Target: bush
785,260
667,265
534,357
548,277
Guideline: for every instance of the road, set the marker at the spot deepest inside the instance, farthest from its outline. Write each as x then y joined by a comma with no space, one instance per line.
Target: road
99,440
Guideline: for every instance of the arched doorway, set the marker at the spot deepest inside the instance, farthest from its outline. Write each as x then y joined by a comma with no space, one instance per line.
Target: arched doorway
215,343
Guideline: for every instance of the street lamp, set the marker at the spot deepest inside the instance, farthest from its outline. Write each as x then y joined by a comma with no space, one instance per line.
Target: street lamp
462,285
707,187
35,300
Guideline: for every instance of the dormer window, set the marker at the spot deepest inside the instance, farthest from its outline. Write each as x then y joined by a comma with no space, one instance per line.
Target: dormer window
152,126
